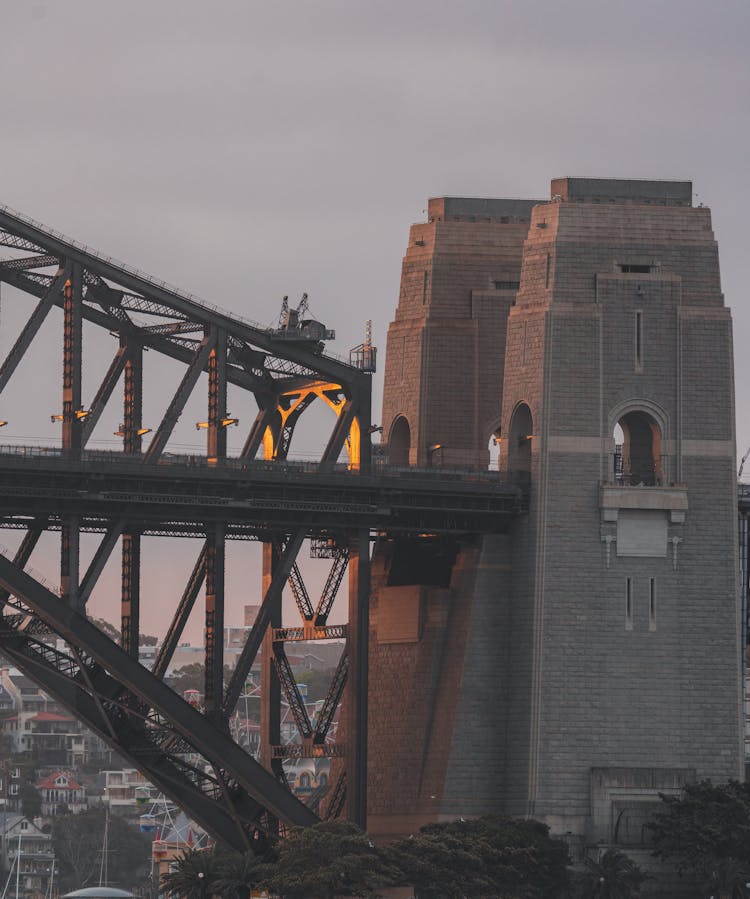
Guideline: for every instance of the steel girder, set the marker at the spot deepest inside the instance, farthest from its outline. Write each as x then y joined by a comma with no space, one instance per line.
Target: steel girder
136,712
286,379
129,495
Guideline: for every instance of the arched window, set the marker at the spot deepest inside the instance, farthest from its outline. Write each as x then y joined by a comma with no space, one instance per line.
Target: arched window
399,442
521,434
638,450
304,779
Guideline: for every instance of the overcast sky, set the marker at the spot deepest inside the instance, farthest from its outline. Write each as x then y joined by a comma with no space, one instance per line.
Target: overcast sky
248,150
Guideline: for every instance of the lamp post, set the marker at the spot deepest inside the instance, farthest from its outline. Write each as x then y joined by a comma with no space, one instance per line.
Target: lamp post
431,450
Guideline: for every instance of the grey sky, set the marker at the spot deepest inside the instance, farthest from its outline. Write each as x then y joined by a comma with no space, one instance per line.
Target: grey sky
247,150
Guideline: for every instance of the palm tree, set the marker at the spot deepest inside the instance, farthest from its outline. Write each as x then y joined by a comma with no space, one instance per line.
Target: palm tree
194,875
613,876
238,874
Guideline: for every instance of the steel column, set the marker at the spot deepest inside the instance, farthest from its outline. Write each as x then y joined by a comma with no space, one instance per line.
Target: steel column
214,631
356,702
132,413
270,686
131,592
72,363
217,400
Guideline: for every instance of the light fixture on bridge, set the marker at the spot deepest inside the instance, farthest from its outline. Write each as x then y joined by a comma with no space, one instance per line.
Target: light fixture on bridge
3,424
138,432
80,414
525,438
225,423
431,450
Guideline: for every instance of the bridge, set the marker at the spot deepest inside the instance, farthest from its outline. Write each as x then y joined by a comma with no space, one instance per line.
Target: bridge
145,491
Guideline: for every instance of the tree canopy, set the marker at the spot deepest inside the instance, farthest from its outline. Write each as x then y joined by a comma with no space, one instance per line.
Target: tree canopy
330,858
613,876
78,843
709,823
484,857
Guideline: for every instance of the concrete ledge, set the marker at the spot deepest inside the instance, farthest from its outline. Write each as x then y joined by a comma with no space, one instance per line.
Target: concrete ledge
665,498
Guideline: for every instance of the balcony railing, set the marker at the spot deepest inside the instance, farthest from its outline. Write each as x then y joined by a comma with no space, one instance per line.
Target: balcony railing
659,477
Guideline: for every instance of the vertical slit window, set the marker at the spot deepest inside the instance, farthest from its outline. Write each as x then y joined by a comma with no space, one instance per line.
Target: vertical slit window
629,603
652,604
425,280
523,343
638,340
547,271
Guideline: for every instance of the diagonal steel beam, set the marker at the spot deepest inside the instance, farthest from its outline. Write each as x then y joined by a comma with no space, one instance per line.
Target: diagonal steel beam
185,607
292,692
24,551
255,637
48,299
208,740
96,566
264,419
129,737
333,697
106,388
332,584
189,380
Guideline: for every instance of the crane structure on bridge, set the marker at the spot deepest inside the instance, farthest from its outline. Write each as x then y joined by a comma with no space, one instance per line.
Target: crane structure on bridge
142,491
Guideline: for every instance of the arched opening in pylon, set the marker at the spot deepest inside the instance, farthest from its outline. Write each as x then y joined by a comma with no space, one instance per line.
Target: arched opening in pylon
399,442
520,437
638,450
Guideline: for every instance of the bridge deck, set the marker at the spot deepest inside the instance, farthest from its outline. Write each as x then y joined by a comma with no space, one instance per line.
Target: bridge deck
181,493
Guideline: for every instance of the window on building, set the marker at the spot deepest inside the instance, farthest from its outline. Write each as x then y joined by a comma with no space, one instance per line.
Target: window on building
628,269
547,270
652,604
507,285
629,603
639,340
638,461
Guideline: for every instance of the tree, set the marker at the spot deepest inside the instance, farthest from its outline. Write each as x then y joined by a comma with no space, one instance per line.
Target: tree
613,876
317,681
708,824
238,874
78,843
31,800
485,857
330,858
113,632
195,874
193,677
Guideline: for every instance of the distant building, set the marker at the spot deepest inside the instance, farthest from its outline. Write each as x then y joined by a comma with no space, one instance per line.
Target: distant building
125,790
23,843
61,794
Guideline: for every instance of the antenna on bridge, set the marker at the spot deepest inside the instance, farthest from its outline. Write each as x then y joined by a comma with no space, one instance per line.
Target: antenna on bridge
364,356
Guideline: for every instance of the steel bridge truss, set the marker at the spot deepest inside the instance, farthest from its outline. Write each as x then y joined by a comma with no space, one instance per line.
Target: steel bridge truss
185,751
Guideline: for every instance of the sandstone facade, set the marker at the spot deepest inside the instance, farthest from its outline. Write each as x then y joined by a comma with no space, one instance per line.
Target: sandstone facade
590,658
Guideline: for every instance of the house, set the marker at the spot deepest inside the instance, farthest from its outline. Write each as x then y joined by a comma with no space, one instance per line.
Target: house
125,790
56,739
25,845
61,794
